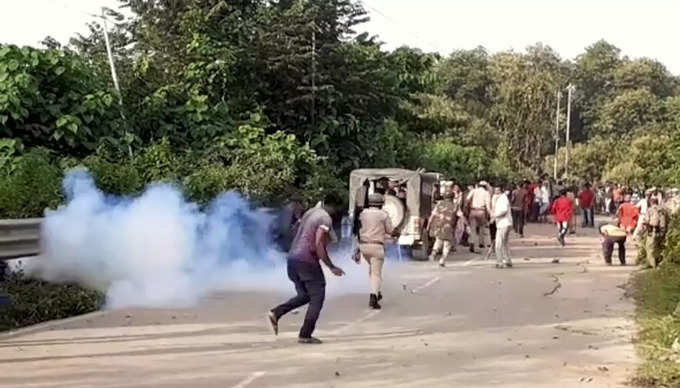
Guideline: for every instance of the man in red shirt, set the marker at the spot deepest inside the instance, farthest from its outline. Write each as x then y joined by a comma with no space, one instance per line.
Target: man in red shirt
562,211
586,199
628,215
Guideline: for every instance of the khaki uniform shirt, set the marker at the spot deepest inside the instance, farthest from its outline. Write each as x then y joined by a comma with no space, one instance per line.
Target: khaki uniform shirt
655,221
375,225
480,199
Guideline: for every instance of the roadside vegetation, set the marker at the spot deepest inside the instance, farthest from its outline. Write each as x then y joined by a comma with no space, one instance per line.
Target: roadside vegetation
35,301
657,293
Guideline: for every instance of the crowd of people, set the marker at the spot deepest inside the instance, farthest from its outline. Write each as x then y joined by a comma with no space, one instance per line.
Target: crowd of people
481,217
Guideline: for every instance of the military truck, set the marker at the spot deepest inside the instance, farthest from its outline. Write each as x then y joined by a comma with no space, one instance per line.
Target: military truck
410,197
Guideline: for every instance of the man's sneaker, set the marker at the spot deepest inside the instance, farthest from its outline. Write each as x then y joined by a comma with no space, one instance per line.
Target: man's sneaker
508,265
442,264
273,322
310,340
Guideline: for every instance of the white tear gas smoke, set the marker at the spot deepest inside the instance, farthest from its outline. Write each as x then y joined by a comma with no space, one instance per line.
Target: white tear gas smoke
158,250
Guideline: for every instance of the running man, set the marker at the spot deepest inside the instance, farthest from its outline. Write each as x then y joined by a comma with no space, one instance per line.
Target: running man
308,248
562,212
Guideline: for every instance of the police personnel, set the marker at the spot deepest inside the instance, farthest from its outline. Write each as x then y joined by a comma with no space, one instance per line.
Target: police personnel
375,226
654,224
480,212
442,225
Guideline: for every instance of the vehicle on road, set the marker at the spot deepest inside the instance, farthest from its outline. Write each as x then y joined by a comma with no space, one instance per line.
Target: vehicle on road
410,197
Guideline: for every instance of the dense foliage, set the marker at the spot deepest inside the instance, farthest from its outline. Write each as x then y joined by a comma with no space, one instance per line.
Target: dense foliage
658,316
35,301
271,97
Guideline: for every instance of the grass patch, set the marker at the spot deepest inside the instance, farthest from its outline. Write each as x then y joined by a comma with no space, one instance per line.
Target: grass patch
657,293
35,301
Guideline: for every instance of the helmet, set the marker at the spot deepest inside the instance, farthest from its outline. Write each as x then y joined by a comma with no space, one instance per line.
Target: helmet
375,199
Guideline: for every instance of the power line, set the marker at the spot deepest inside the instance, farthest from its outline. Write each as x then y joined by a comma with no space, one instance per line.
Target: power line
396,23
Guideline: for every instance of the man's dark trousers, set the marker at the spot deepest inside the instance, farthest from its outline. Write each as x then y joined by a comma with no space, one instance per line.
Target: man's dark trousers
608,249
518,221
310,285
588,217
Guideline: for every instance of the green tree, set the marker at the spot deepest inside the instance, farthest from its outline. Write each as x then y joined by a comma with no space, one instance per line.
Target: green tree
628,111
524,102
54,98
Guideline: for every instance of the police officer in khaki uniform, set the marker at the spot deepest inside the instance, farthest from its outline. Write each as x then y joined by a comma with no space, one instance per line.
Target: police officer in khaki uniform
654,224
442,225
480,213
375,226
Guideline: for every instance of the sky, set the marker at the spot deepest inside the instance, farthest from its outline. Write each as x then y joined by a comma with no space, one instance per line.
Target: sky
639,28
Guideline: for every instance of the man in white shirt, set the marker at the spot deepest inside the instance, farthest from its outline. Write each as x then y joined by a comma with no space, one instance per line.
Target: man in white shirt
542,195
503,216
480,211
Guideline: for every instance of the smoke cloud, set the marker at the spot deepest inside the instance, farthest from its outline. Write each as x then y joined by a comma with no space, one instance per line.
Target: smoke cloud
158,250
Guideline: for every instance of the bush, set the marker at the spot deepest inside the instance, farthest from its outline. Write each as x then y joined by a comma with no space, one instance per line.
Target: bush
657,293
35,301
29,184
120,178
208,181
158,162
671,250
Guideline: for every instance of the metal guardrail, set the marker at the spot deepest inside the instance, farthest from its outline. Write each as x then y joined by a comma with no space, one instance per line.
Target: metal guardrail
19,238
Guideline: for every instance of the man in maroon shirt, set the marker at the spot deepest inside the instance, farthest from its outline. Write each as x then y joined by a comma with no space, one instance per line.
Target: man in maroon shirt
531,214
586,199
308,248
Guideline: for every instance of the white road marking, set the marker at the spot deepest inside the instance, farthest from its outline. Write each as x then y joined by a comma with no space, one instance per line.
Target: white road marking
248,380
366,317
424,286
469,262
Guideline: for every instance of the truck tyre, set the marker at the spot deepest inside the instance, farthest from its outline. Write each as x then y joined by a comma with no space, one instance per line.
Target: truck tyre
396,210
421,251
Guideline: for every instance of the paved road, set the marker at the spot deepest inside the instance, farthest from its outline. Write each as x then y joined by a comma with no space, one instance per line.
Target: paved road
469,325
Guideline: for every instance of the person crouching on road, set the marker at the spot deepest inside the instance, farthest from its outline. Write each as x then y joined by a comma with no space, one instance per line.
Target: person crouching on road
562,212
611,235
375,227
308,248
442,225
502,214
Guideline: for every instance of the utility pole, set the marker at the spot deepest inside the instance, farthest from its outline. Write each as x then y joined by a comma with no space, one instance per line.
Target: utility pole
314,75
114,75
570,90
557,134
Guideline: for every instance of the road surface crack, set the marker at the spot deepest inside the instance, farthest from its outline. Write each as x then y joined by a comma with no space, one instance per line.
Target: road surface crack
557,286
